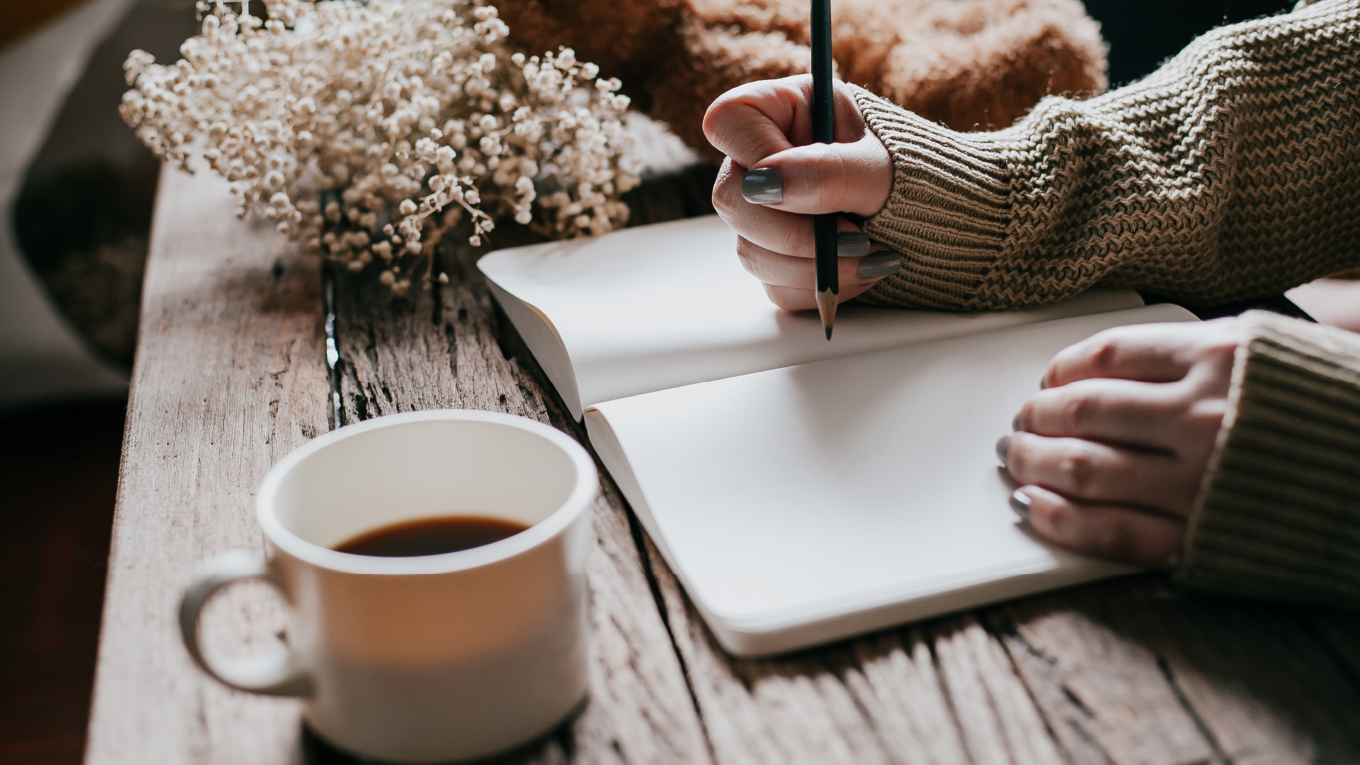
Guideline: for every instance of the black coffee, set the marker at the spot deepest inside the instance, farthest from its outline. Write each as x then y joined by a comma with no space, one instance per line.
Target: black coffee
431,536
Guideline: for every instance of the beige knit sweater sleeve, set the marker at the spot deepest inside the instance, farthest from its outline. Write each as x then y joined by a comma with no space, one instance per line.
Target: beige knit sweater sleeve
1231,173
1278,515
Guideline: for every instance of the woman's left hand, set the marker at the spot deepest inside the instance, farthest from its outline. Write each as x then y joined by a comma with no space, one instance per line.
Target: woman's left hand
1111,453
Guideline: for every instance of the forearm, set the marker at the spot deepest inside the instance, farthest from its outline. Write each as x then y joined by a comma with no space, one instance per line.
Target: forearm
1233,172
1278,515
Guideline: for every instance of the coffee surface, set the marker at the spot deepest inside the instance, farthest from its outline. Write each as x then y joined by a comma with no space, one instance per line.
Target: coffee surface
431,536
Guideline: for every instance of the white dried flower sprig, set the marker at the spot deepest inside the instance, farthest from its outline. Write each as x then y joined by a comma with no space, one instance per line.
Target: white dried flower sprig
369,129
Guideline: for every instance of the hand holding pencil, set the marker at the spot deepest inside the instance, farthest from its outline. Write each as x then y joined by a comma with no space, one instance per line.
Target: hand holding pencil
826,281
776,178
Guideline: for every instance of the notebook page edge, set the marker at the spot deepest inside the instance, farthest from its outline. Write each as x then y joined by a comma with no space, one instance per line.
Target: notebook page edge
792,630
610,450
544,342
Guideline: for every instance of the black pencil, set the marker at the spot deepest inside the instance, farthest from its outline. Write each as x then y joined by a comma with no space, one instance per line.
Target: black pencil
824,131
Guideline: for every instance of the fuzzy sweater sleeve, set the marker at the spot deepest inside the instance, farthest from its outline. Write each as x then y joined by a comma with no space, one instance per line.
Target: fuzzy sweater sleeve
1278,515
1233,172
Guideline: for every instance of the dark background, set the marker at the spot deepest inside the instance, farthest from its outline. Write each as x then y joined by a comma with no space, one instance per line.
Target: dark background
1144,33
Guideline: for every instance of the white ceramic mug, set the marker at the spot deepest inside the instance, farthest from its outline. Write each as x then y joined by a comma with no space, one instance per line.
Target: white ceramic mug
433,658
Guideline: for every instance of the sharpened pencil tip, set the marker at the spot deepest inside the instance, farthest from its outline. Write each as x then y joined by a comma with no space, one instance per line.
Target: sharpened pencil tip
826,308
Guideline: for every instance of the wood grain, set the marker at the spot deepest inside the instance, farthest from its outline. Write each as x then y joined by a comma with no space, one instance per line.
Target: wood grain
1130,671
1137,671
1103,692
942,693
227,381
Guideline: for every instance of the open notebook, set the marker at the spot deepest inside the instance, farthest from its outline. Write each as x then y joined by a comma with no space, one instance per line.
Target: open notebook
801,490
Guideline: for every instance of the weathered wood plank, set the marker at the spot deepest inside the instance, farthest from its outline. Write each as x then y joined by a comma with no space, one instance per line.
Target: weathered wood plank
228,379
895,678
1122,672
942,693
1103,692
1134,671
1263,687
999,720
448,348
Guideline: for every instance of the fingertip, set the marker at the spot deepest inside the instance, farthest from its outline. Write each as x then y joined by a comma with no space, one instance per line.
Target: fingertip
790,298
1114,532
715,114
1043,508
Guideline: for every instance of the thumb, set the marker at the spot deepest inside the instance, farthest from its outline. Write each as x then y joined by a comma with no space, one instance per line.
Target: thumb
854,177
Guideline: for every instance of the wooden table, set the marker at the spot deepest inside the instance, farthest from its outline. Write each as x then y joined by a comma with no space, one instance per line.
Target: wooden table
230,376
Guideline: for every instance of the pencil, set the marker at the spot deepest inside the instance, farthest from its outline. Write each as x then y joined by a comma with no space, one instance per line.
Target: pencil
824,131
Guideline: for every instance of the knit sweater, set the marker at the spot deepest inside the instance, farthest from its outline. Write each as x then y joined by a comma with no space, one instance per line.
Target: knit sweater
1231,173
1279,513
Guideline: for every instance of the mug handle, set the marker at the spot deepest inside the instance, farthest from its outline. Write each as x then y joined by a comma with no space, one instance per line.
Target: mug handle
272,675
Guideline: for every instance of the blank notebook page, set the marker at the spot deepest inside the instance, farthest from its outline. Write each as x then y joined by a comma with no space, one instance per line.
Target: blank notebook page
669,304
808,503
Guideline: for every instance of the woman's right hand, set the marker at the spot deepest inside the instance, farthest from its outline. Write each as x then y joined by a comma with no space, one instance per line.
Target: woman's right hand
775,178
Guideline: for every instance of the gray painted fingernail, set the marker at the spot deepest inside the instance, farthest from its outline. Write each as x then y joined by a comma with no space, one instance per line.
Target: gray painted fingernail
762,186
852,244
879,264
1043,382
1003,445
1020,503
1015,423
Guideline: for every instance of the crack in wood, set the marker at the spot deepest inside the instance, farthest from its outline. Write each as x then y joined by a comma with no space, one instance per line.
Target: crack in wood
374,400
436,289
360,406
846,665
332,350
452,343
1076,701
945,692
1219,757
1085,735
1003,629
370,347
500,328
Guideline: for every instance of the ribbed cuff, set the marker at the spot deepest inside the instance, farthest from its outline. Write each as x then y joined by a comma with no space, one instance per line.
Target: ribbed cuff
1278,515
947,213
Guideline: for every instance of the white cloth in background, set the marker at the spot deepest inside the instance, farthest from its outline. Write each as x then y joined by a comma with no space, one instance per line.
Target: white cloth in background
41,356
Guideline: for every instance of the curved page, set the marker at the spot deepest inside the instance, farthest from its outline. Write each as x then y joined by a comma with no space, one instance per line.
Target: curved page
809,503
654,307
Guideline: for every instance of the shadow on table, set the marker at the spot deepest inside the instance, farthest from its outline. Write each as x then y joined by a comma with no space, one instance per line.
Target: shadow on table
553,749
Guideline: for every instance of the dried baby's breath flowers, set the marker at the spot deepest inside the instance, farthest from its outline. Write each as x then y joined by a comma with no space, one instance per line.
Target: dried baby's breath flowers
369,129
